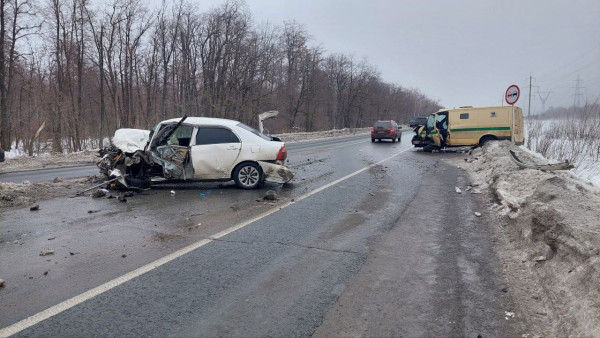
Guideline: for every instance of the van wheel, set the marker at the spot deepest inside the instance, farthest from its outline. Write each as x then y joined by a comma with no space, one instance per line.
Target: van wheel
486,139
248,176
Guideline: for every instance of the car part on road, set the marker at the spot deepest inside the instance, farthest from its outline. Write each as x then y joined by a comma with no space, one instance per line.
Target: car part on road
550,167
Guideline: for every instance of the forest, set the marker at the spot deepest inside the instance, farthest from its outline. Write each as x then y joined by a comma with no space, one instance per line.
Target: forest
74,71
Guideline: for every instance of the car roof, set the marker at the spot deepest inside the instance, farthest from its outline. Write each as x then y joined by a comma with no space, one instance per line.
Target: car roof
204,121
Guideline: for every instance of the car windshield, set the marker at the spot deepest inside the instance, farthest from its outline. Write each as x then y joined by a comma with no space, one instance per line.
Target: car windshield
254,131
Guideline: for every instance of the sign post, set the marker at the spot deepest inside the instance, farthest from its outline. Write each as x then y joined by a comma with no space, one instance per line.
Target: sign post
512,96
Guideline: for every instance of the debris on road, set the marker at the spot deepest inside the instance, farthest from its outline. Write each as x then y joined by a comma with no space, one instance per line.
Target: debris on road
508,315
1,282
47,252
46,272
457,189
51,238
270,195
540,259
35,207
123,255
99,193
172,192
477,213
57,180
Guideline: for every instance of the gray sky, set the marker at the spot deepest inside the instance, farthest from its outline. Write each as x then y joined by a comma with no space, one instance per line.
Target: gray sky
461,52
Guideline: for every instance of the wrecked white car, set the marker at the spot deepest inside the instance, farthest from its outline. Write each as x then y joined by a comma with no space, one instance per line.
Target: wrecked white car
198,149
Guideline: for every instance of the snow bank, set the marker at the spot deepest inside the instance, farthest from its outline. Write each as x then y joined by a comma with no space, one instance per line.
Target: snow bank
550,226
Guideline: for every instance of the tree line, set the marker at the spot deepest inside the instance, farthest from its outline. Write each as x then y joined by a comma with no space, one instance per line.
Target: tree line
74,71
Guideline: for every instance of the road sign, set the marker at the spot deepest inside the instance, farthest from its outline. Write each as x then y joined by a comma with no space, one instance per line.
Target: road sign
512,94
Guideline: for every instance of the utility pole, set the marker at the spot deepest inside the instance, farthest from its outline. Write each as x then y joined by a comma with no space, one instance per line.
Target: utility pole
577,95
543,99
529,106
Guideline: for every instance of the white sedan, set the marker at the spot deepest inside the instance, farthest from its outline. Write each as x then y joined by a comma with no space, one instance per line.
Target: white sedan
195,148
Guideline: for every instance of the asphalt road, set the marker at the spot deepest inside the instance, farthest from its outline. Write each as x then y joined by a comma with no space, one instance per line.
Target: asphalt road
369,239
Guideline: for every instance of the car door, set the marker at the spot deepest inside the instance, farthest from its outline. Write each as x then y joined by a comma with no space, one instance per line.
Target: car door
215,152
432,131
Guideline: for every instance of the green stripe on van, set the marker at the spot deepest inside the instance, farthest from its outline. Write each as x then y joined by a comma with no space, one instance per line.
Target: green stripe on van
479,129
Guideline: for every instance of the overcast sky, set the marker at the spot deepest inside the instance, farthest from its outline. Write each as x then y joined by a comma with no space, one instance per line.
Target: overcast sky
461,52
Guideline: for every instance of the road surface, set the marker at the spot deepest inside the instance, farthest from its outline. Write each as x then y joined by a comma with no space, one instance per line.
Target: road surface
369,239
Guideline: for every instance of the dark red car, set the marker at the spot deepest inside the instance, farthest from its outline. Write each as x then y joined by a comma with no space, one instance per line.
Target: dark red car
386,130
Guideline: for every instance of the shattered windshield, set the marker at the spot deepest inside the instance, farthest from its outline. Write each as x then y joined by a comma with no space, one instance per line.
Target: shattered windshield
430,121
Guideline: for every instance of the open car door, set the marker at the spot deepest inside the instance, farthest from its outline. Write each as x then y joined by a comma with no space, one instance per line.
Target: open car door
170,148
432,131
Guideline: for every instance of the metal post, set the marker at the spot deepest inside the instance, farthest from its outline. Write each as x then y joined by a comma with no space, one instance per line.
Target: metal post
512,129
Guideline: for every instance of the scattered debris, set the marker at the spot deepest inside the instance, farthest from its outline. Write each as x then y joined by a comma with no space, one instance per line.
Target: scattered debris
46,272
72,253
99,193
123,255
553,166
35,207
51,238
508,315
93,211
1,282
477,213
122,198
505,289
457,189
172,192
540,259
57,180
47,252
270,196
128,193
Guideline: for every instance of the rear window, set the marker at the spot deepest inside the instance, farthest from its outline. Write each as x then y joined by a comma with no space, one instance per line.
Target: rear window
254,131
382,124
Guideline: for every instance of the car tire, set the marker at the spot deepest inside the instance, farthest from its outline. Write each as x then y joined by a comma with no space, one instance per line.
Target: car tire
248,176
486,139
393,140
372,140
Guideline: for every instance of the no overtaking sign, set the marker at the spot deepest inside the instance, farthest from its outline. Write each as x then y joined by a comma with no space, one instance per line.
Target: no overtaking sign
512,94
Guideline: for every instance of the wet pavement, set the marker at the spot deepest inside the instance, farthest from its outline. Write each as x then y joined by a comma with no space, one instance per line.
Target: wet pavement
278,275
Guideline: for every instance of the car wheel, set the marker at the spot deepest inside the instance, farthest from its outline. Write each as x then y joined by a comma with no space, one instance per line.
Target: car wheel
248,176
372,140
393,140
486,139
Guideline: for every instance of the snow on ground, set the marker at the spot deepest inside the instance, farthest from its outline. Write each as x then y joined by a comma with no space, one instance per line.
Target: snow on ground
548,225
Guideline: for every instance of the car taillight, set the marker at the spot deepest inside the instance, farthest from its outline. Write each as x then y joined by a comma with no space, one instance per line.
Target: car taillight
372,130
282,154
392,130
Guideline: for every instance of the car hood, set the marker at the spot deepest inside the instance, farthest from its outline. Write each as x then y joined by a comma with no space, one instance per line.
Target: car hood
130,140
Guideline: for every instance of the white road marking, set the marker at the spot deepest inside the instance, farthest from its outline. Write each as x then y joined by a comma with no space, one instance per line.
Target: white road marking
69,303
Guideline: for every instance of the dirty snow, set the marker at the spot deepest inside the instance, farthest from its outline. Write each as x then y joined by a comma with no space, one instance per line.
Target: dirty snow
548,227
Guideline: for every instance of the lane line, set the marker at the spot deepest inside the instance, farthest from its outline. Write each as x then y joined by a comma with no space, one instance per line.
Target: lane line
69,303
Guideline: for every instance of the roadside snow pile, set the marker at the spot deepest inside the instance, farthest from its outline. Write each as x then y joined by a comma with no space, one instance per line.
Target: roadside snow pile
18,163
550,229
294,137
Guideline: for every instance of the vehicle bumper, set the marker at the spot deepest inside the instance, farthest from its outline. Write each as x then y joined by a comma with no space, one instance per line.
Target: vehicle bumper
276,173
